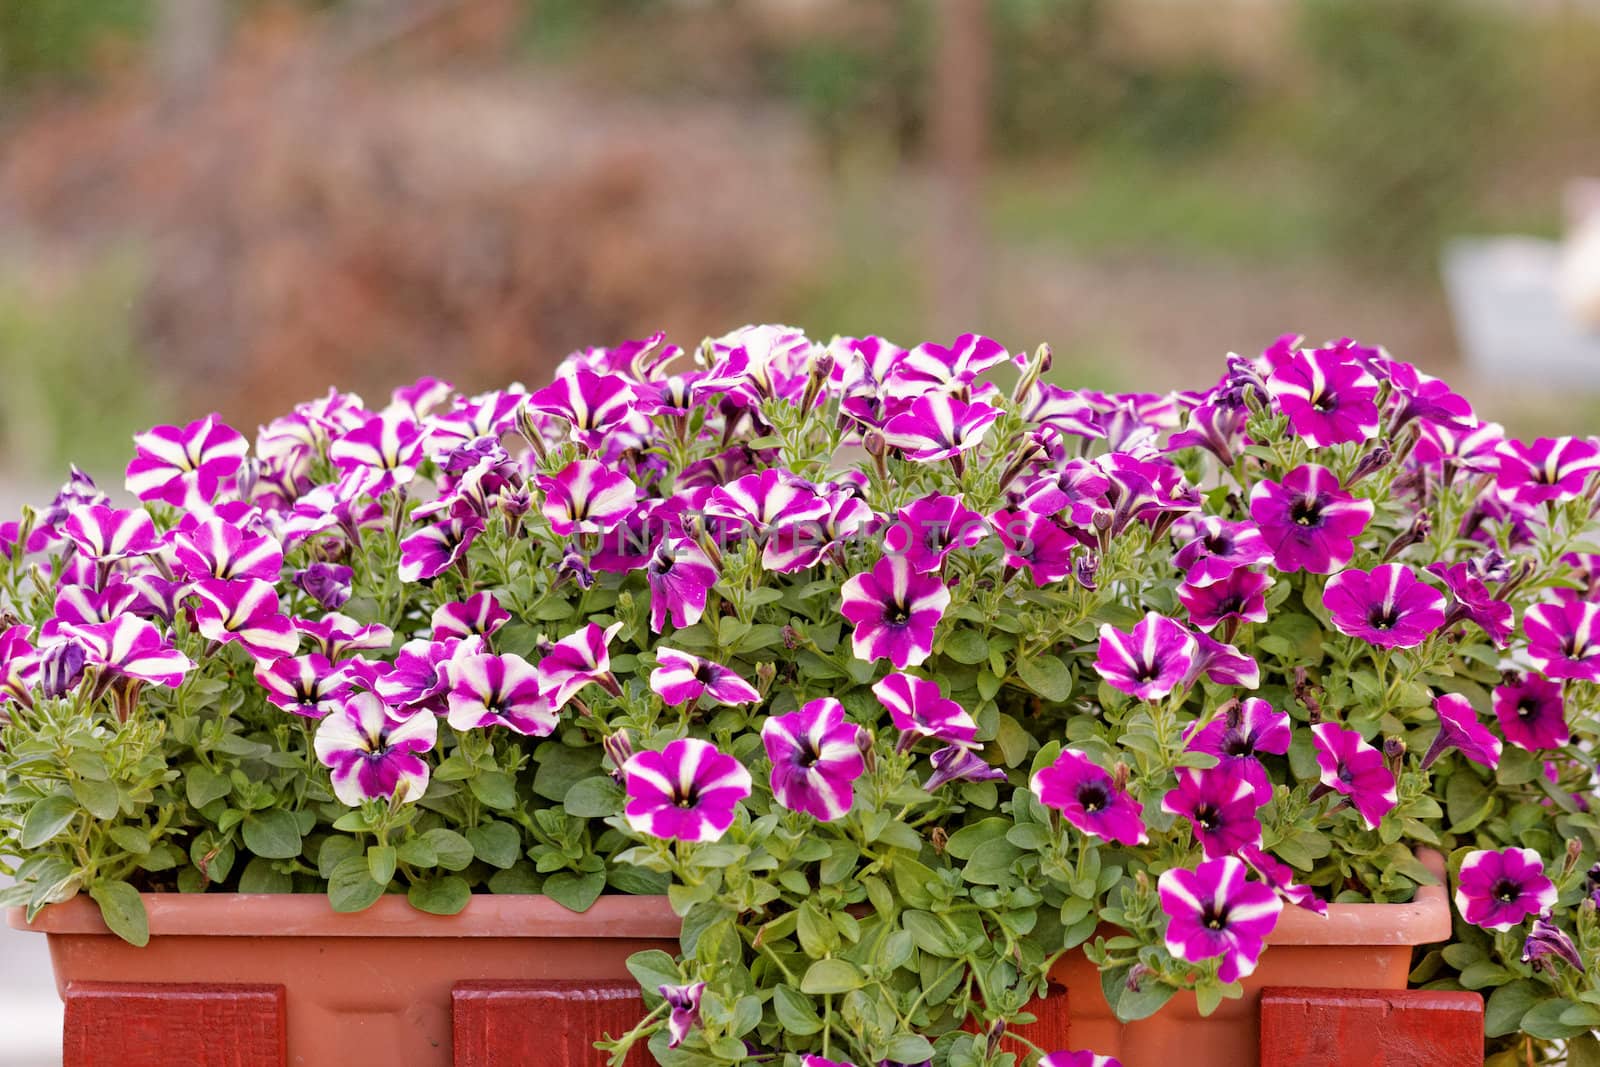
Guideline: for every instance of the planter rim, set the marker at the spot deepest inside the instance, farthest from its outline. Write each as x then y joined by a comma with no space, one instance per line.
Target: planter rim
310,915
1424,920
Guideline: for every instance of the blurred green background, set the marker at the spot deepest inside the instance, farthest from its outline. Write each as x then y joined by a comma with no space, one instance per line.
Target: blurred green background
231,204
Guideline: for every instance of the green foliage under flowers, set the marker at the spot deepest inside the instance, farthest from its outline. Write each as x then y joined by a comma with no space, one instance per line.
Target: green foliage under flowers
879,934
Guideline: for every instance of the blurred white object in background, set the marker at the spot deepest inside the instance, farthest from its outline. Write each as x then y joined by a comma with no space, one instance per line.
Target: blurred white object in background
1578,273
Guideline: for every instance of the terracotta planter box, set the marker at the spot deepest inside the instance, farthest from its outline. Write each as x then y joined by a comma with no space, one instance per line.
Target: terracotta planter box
284,979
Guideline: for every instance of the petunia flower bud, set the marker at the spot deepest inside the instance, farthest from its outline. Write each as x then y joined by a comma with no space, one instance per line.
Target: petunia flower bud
326,583
61,668
1418,531
1394,751
766,673
1084,569
1039,364
529,429
1371,462
575,566
618,747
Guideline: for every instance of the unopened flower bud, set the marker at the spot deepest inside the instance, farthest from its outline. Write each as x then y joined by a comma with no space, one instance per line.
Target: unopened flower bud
326,583
766,674
249,476
618,748
516,502
874,442
997,1030
60,668
529,429
1372,461
1419,529
791,637
1136,976
1038,365
573,565
1574,851
938,837
1084,569
1394,750
1119,775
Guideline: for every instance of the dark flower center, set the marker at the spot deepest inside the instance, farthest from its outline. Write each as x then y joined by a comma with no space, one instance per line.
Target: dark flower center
807,757
1324,403
706,673
1381,618
1527,708
897,615
1237,744
685,796
1093,797
1306,511
1214,917
1207,816
1505,891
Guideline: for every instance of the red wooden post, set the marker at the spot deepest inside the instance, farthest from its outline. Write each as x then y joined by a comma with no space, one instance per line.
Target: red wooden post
1048,1033
1370,1028
137,1024
553,1024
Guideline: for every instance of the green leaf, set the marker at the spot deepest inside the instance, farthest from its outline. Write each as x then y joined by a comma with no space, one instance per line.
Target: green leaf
454,851
594,798
380,863
1133,1004
910,1048
417,852
831,976
1507,1005
1544,1021
575,892
560,767
499,844
966,646
202,785
130,839
796,1014
447,895
123,911
100,798
494,789
333,851
351,887
45,819
1583,1051
260,877
991,862
653,968
274,834
1046,675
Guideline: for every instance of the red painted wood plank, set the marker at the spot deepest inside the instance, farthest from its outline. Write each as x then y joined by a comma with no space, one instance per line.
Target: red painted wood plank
551,1023
1048,1033
128,1024
1370,1028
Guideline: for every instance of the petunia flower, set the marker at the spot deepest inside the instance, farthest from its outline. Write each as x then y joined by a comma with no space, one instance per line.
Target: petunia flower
130,647
1238,596
420,676
1460,729
680,575
816,758
1551,468
1564,638
185,467
305,685
1220,806
1354,769
1532,712
1280,876
1089,798
436,548
767,498
107,534
927,530
479,614
389,443
575,661
1212,548
929,366
329,584
592,405
1036,544
1330,398
586,496
680,678
1212,911
795,545
1077,487
1498,889
919,709
1223,664
688,791
489,690
1308,521
1472,602
1078,1058
1386,606
1149,662
895,612
489,415
19,665
245,611
684,1002
212,548
1238,735
374,753
1547,943
336,636
938,426
960,763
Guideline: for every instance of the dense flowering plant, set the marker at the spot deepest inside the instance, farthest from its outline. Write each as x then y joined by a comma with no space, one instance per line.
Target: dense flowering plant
900,672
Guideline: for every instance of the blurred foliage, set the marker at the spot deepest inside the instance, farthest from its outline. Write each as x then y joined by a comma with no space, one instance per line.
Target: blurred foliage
59,39
76,385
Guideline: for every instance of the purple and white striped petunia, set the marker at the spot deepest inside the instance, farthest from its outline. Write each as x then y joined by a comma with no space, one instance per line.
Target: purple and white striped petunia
1212,911
959,763
245,611
19,665
1308,521
1551,468
1330,398
929,366
919,709
1354,769
680,575
1151,661
684,1002
305,685
1564,638
927,530
434,549
1280,876
420,676
1547,943
1220,805
212,548
374,753
686,792
329,584
1460,729
938,426
1089,798
768,498
1532,712
575,661
336,636
1077,487
479,614
586,496
1078,1058
1471,601
816,758
488,690
107,534
1036,544
185,467
1238,735
389,443
895,612
130,647
680,678
1238,596
1223,664
593,405
1386,606
1499,889
1214,547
